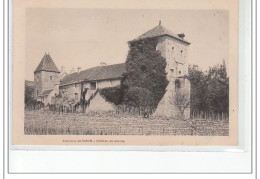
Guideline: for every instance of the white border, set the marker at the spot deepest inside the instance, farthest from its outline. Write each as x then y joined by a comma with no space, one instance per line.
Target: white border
235,159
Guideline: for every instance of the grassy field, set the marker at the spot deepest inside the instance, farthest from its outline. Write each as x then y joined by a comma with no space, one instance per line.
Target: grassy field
47,123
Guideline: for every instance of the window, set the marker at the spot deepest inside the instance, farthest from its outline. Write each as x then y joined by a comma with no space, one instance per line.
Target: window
172,49
37,92
172,71
177,84
181,52
76,96
50,77
179,72
93,85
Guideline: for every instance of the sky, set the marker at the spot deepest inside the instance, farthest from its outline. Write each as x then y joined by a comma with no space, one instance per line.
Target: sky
85,37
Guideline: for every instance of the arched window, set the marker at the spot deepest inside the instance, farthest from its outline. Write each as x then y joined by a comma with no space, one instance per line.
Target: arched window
177,84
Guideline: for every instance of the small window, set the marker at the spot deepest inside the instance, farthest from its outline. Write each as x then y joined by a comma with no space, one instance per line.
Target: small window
93,85
50,77
179,72
172,49
76,96
177,84
172,71
181,52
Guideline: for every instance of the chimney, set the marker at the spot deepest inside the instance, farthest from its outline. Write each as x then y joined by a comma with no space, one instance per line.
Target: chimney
79,68
72,70
103,64
182,35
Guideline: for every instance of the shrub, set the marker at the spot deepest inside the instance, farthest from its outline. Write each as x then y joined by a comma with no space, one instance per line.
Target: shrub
113,94
137,96
145,70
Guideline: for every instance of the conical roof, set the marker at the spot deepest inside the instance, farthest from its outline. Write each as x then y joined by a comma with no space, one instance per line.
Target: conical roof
47,64
158,31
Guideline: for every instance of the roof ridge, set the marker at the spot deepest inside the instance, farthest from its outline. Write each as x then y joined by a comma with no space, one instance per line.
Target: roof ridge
157,31
97,73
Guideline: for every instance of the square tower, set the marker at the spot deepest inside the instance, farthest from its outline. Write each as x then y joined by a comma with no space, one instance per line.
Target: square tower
174,49
46,76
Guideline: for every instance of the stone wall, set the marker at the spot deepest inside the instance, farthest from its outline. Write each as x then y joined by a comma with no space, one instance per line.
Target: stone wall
176,54
166,106
49,79
45,80
37,84
108,83
71,90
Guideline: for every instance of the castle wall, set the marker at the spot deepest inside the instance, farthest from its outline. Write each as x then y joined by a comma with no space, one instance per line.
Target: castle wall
44,80
37,84
167,106
176,54
71,91
108,83
48,99
49,79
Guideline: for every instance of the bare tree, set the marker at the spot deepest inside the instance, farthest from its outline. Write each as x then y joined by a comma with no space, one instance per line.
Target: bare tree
181,99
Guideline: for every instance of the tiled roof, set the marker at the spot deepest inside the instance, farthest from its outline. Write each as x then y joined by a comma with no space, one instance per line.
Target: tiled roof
47,92
156,32
95,74
47,64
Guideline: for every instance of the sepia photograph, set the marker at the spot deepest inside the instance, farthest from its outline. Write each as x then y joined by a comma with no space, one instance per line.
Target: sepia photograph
126,72
90,74
129,87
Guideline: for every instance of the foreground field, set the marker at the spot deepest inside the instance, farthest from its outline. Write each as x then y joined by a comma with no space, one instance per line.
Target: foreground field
47,123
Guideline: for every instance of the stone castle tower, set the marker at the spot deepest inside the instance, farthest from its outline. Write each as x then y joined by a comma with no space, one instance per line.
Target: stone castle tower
46,77
174,49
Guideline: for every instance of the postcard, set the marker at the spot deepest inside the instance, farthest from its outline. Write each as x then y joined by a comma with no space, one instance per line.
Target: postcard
119,73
